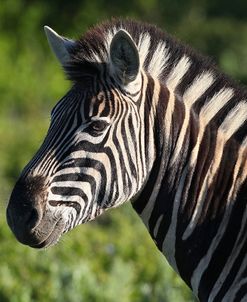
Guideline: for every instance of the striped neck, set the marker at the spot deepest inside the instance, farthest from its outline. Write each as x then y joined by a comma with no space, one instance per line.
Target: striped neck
165,174
165,182
190,195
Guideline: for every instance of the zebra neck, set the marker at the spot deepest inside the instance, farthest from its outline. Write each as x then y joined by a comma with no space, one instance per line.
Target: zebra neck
192,194
165,182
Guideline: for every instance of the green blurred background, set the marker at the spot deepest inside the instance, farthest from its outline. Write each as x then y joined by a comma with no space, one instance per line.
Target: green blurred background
113,258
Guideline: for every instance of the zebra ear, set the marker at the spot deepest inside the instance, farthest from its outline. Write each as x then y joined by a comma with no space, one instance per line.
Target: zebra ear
59,45
124,57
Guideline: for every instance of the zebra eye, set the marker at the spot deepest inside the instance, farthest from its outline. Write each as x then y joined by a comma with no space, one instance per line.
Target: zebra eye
98,126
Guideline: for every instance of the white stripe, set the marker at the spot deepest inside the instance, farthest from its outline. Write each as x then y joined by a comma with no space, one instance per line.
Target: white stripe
207,113
200,84
191,95
178,72
169,243
121,146
168,116
244,143
159,60
157,225
70,184
215,104
143,47
65,199
141,131
181,137
234,120
147,211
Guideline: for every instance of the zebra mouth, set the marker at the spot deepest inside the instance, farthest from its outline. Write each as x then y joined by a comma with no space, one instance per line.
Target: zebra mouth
50,237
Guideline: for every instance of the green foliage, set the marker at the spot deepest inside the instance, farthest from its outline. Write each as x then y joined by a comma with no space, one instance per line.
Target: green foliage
101,261
112,259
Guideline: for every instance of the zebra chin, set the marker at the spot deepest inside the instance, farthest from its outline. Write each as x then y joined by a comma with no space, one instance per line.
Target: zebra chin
49,236
44,235
30,219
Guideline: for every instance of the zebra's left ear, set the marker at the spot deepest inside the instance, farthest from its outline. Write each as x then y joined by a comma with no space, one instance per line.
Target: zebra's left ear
124,57
60,46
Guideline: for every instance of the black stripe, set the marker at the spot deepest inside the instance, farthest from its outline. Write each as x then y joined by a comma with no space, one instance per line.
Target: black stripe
242,292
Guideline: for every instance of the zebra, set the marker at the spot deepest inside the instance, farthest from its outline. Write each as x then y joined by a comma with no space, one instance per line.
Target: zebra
147,119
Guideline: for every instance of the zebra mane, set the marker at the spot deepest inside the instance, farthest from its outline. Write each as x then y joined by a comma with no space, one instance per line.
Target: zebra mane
158,51
159,54
193,76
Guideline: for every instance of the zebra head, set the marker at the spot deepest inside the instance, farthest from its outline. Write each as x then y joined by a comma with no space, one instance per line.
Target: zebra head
97,153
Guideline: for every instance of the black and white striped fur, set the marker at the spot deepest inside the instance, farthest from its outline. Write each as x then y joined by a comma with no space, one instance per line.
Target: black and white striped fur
160,125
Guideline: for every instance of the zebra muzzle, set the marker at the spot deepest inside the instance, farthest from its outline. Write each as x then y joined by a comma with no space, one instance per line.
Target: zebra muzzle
27,216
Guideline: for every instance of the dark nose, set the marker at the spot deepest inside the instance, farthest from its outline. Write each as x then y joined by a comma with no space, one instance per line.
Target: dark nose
26,208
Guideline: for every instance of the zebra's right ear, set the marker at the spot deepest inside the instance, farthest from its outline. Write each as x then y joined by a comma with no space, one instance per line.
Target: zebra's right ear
124,57
59,45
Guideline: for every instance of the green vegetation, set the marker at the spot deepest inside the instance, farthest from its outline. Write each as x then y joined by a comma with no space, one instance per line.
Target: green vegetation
112,259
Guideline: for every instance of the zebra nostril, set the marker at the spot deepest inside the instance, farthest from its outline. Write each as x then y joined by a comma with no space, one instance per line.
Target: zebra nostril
33,218
26,208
